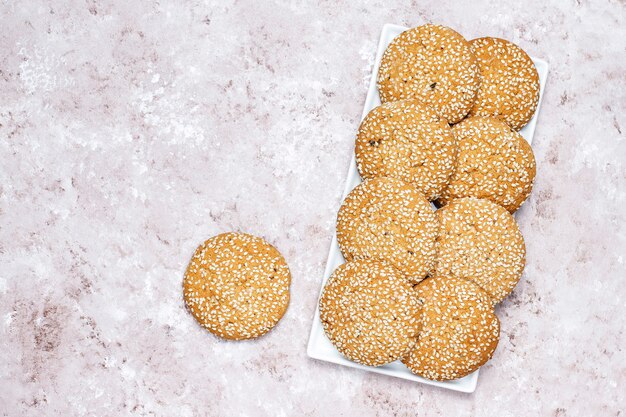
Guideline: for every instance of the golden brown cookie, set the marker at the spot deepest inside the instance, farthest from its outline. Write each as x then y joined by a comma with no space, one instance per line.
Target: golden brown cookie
388,219
370,312
434,64
509,86
493,162
407,140
460,330
237,286
480,241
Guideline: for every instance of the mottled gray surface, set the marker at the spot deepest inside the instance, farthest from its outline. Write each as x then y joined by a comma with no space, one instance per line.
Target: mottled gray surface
129,133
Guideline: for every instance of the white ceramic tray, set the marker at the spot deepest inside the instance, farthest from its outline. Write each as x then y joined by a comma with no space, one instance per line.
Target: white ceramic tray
319,346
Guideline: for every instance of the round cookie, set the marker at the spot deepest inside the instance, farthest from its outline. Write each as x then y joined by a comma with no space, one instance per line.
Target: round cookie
388,219
237,286
480,241
407,140
509,86
434,64
370,312
493,162
460,330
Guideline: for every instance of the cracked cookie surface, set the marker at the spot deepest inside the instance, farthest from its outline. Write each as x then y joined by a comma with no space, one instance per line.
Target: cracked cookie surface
480,241
460,330
370,312
434,64
509,87
493,162
389,219
237,286
407,140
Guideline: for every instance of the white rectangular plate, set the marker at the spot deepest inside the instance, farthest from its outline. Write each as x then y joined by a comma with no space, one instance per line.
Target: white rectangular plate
319,346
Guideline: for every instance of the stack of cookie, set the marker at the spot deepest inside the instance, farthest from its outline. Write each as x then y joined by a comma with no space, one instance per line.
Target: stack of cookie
420,285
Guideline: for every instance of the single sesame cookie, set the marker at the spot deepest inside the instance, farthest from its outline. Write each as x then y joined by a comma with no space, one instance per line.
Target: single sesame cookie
388,219
480,241
493,162
370,312
460,330
407,140
434,64
237,286
509,86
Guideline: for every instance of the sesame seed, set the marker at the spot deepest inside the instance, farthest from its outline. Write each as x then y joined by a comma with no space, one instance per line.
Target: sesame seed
460,330
434,64
370,312
480,241
389,219
509,86
237,286
407,140
493,162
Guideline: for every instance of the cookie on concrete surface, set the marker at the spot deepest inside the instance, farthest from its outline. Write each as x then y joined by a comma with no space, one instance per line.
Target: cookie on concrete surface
370,312
237,286
460,330
434,64
493,162
407,140
509,86
480,241
389,219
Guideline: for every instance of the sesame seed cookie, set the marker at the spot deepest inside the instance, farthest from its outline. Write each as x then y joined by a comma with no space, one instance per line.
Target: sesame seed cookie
480,241
434,64
460,330
509,86
370,312
237,286
407,140
493,162
389,219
